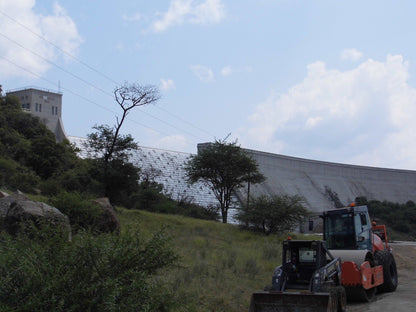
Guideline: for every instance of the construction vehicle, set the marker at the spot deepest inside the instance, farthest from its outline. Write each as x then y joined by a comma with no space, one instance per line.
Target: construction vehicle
352,262
309,277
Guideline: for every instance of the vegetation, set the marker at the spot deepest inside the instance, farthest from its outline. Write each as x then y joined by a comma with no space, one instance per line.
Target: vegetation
399,217
29,153
221,265
31,161
190,265
109,163
149,196
110,149
273,214
92,273
224,167
82,213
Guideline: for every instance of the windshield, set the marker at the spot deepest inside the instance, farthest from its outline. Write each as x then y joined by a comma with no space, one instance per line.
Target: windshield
339,231
307,255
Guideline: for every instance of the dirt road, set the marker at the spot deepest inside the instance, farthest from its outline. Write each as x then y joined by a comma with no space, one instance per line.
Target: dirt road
404,298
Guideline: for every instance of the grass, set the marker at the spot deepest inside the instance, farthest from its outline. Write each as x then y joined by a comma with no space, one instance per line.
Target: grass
221,264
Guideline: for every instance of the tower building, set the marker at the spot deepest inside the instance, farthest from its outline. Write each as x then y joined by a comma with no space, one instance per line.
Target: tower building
46,105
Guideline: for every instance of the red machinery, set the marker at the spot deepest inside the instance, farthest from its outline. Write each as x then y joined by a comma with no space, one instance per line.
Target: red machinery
353,262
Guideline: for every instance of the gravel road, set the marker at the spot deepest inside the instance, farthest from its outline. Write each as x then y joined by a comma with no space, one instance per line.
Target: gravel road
404,298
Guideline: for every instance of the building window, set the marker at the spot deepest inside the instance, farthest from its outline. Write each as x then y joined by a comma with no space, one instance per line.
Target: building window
37,107
40,107
54,110
26,106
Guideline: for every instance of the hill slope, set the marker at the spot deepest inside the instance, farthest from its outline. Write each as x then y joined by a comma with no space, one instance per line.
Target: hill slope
221,265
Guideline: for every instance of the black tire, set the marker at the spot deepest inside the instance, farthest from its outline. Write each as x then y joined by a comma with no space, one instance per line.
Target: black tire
333,296
386,259
333,300
342,299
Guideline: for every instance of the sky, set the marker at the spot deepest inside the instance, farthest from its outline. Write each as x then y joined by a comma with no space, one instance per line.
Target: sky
323,80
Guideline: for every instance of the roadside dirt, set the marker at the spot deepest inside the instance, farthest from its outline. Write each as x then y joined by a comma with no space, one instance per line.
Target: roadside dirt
404,298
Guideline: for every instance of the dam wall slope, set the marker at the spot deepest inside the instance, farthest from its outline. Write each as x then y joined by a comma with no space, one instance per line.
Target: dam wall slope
325,184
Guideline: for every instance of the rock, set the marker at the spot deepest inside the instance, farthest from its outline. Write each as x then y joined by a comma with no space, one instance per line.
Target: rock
108,221
17,209
7,200
3,194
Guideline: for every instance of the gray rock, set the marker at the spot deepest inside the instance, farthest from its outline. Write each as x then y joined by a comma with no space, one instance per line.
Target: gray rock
17,209
108,221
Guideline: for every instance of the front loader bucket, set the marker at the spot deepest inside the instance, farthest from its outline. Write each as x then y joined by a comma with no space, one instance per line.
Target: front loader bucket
269,301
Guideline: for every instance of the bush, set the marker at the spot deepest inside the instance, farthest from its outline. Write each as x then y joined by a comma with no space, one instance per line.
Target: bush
91,273
150,197
24,180
75,179
80,209
400,217
273,214
15,176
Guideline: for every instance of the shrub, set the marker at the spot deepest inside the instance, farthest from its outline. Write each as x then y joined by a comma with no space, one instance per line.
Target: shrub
400,217
273,214
150,197
81,211
24,180
16,176
91,273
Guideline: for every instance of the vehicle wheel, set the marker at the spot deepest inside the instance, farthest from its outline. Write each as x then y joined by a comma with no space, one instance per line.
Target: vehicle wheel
333,300
333,296
342,299
386,259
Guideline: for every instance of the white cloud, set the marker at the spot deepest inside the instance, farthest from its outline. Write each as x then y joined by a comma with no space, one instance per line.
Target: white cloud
190,11
351,54
226,71
168,84
203,73
363,116
57,28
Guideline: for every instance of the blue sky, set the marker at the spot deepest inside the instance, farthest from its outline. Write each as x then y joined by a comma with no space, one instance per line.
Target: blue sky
325,80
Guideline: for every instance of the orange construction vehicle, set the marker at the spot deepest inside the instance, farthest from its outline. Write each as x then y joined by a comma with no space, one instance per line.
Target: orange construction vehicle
353,262
368,263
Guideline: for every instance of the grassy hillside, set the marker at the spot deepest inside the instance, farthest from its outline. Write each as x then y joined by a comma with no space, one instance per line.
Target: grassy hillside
221,265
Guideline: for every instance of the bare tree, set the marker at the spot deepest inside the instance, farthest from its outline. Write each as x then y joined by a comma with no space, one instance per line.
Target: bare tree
128,97
106,143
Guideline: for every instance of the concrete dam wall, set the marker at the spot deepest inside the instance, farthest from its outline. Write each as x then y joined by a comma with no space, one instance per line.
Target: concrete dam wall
322,183
319,182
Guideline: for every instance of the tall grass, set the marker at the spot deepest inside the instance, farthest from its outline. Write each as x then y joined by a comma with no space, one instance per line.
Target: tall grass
221,265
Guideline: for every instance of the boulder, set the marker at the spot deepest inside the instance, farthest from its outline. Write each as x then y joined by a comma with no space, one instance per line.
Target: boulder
17,209
7,200
108,221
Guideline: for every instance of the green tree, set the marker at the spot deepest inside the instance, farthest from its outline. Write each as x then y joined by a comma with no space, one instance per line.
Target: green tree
118,177
223,167
109,147
25,140
273,214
